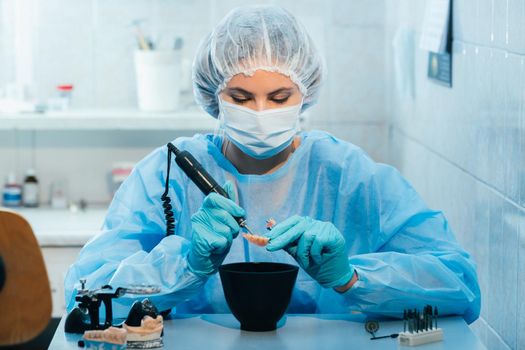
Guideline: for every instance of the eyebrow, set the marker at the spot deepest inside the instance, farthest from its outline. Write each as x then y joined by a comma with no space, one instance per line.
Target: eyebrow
247,93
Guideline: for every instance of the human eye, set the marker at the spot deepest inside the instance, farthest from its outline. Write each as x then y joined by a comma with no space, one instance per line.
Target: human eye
280,100
239,99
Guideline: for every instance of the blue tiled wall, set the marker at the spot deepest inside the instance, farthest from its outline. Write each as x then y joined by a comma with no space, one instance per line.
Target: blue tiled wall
464,148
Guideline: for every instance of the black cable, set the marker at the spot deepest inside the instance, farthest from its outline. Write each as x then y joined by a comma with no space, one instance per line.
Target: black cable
166,200
198,175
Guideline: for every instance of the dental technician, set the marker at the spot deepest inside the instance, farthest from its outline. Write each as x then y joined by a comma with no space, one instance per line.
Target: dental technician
362,236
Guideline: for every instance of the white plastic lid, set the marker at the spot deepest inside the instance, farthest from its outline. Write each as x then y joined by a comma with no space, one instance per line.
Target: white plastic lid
11,179
30,172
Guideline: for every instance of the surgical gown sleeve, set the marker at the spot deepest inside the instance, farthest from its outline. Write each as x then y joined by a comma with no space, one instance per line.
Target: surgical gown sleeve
414,259
133,247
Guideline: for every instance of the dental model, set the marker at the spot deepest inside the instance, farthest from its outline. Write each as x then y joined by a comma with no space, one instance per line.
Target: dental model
146,336
112,335
259,240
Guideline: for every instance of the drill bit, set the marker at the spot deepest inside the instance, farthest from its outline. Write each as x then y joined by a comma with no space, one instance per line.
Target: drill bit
243,225
436,315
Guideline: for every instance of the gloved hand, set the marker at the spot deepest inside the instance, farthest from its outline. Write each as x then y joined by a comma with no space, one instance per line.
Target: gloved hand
317,246
213,229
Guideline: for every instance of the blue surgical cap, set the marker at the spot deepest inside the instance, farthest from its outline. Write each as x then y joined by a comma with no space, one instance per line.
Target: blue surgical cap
254,38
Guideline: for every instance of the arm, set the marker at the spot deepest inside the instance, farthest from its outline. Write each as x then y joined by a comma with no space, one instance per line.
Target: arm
347,286
417,260
133,248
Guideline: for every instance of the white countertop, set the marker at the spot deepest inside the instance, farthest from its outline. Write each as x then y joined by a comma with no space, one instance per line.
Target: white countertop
57,227
304,332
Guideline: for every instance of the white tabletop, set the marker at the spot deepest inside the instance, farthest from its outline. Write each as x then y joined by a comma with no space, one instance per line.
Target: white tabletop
301,332
62,227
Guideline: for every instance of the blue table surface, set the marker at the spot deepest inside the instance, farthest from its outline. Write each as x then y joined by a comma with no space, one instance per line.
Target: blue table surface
304,332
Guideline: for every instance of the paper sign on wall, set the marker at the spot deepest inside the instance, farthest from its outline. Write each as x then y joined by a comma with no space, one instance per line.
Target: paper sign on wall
436,37
434,34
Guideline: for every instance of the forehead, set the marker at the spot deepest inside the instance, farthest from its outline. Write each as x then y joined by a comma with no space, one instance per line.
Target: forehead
261,82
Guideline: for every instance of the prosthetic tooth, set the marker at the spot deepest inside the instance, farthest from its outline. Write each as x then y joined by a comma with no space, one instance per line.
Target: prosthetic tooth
256,239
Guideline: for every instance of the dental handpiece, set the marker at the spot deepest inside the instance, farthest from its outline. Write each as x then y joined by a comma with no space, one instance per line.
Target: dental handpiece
201,177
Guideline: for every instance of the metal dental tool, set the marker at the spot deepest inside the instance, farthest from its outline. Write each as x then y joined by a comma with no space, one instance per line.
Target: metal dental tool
372,326
419,328
85,316
199,176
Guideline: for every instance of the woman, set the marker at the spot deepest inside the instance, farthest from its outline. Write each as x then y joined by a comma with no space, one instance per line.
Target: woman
363,237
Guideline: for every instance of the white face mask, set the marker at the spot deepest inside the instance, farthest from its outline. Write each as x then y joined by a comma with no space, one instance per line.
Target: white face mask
259,134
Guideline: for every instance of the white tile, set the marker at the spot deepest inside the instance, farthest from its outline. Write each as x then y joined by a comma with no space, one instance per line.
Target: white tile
114,78
191,35
480,83
482,249
500,19
497,122
307,9
9,154
119,14
410,13
180,13
516,26
521,282
486,22
223,7
64,54
465,19
65,12
358,12
513,74
355,73
189,20
503,270
521,146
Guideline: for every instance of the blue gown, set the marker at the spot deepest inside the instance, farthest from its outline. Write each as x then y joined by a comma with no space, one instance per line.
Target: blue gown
405,254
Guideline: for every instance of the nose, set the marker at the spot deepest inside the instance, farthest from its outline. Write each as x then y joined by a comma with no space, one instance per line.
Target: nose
260,105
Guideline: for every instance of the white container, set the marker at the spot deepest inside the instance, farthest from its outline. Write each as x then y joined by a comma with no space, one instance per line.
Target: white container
158,75
30,190
119,172
59,194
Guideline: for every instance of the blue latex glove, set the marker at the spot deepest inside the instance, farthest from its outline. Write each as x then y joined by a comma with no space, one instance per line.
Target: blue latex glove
213,228
317,246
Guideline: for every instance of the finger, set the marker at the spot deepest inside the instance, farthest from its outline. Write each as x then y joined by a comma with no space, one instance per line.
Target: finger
207,241
303,248
282,227
316,250
287,238
292,250
212,224
225,218
325,243
215,200
230,190
220,244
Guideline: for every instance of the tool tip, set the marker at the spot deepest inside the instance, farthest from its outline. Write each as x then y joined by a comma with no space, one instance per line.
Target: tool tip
247,228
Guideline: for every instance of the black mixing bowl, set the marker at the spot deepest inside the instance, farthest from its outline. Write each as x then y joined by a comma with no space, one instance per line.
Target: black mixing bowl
258,293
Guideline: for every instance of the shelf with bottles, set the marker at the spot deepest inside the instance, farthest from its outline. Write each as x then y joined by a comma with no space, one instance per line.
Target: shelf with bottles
58,223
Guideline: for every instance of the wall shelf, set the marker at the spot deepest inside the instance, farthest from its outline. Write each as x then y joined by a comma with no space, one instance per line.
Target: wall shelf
108,120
